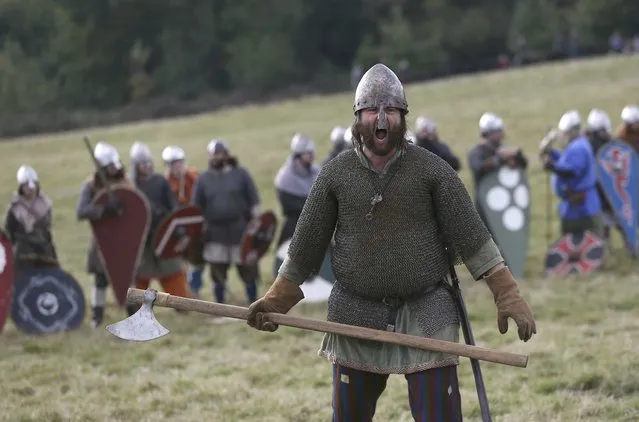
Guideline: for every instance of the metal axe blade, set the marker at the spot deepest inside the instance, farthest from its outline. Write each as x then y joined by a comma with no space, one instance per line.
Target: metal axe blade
142,325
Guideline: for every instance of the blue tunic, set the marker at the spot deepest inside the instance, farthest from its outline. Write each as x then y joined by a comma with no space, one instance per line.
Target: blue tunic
575,172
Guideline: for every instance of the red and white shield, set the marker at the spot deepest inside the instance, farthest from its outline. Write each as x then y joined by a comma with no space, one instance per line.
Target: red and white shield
166,244
577,253
258,235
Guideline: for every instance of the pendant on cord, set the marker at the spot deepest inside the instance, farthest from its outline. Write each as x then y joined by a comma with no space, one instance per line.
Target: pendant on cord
374,201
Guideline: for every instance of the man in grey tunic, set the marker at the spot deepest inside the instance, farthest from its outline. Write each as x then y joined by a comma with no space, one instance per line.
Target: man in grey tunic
228,198
157,190
293,182
400,216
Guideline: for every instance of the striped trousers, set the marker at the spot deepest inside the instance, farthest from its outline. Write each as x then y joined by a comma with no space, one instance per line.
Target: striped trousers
433,395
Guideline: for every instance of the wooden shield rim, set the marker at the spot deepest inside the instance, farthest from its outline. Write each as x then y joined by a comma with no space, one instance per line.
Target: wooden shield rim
147,206
245,235
173,222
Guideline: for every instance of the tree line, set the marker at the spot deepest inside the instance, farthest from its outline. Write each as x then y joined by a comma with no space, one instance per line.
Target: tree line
74,63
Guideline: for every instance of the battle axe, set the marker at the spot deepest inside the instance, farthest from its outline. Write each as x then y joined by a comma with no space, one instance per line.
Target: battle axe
143,326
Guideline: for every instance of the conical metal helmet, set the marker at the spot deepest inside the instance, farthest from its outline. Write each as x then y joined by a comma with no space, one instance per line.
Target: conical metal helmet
380,88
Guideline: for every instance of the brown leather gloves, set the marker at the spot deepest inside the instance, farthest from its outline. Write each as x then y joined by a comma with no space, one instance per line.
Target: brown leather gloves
510,305
280,298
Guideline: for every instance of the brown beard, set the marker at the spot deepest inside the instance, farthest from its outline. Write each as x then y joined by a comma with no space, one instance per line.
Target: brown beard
364,135
119,176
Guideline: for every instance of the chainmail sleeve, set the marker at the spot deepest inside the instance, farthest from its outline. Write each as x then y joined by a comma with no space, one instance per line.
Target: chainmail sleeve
314,228
461,228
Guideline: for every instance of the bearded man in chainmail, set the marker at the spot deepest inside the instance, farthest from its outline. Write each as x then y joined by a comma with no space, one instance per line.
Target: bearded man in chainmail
400,216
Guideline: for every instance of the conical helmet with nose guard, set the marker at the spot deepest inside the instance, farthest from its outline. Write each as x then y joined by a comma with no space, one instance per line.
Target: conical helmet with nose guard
380,88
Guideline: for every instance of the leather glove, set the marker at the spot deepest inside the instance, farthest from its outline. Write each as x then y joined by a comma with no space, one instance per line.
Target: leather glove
280,298
510,304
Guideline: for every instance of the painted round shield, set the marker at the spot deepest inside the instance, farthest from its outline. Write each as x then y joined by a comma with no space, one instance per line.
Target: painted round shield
258,237
576,253
6,277
47,300
166,244
317,289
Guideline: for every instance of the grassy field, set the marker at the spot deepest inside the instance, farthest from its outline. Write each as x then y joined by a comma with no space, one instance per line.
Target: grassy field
583,363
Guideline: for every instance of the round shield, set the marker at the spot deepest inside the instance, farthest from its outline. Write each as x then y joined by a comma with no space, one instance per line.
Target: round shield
257,238
166,244
47,300
576,253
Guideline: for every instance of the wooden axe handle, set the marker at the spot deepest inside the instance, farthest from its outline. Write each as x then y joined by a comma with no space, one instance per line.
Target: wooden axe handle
187,304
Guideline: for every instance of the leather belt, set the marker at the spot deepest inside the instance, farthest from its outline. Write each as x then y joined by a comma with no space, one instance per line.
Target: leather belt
395,303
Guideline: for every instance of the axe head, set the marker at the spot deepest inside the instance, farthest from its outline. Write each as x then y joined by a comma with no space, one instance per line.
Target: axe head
142,325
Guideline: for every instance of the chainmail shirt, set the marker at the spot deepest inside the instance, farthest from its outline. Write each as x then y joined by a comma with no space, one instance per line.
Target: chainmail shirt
401,252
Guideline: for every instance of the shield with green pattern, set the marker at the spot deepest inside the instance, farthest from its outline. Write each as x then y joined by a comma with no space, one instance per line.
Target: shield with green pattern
503,197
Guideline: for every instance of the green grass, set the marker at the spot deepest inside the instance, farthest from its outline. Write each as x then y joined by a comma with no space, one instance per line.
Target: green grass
583,361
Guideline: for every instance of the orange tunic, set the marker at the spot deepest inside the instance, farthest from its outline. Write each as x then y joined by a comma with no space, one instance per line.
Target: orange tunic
182,187
629,136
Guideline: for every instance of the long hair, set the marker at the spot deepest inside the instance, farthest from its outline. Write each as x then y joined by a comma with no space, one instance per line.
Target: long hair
358,137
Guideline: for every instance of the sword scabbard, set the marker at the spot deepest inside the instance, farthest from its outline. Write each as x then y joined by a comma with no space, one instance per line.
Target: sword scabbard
470,340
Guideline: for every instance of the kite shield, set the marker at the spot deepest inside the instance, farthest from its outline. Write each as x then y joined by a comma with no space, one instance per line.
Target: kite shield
504,199
120,240
618,177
